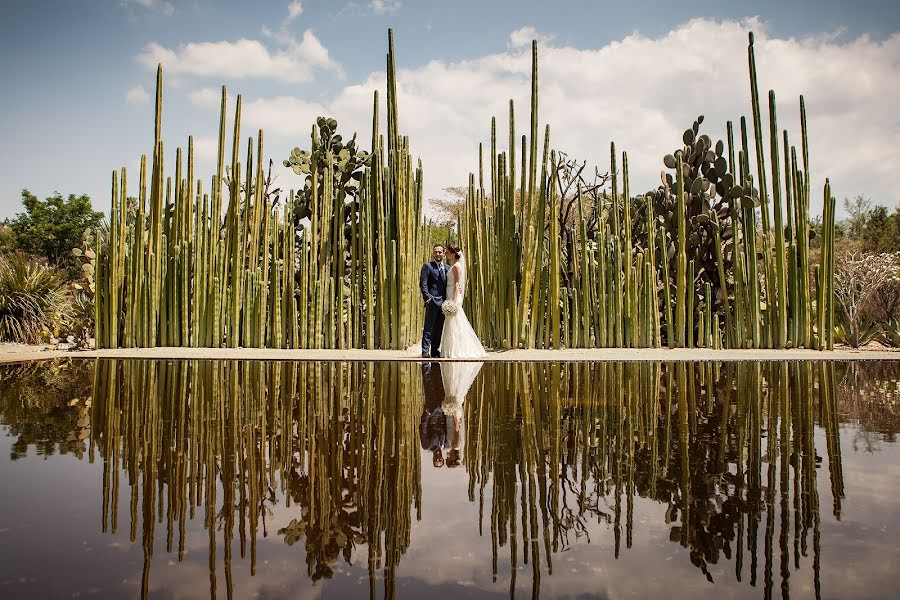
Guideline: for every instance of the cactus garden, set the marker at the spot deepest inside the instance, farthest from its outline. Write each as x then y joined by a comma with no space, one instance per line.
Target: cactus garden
568,312
239,264
717,256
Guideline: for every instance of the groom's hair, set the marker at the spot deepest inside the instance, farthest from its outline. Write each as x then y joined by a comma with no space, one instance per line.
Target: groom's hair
436,245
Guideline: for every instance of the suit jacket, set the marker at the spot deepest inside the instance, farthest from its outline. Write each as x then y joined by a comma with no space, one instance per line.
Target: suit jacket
433,385
433,283
433,429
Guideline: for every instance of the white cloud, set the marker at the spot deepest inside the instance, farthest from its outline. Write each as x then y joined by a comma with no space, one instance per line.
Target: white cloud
206,97
640,92
294,10
384,7
244,58
523,36
161,6
286,117
206,149
137,96
282,35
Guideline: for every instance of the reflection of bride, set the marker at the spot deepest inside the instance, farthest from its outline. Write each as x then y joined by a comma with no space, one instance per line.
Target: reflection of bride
445,390
458,378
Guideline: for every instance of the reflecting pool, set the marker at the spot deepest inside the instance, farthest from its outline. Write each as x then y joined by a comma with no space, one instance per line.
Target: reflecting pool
183,479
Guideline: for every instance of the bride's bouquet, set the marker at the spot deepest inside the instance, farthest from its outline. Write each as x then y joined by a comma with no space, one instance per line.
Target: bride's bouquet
449,308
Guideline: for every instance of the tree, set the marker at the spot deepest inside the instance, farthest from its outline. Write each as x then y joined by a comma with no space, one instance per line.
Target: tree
450,209
882,230
859,277
51,228
858,211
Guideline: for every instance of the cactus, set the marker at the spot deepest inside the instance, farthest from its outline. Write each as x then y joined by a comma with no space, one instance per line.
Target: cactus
335,264
704,216
305,272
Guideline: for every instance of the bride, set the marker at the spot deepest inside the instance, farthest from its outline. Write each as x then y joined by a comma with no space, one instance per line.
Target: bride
458,339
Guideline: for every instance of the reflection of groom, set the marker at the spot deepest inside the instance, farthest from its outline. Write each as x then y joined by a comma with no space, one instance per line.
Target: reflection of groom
433,423
433,283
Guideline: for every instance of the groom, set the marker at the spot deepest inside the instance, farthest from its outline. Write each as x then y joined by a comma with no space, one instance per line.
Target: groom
433,283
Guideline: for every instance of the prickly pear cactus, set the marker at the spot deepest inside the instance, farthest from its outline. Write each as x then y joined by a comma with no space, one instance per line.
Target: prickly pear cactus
347,165
347,162
711,192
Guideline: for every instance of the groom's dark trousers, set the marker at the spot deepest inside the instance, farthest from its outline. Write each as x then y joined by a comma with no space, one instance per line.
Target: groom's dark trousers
433,284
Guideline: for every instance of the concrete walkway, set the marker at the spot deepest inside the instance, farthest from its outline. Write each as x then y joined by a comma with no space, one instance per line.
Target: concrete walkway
10,355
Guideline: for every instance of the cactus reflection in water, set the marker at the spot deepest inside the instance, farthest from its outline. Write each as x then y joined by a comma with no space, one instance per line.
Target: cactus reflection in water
548,449
704,260
182,431
564,446
174,272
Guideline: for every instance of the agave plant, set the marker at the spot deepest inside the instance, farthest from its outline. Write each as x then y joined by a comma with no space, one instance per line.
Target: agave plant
855,333
34,301
890,334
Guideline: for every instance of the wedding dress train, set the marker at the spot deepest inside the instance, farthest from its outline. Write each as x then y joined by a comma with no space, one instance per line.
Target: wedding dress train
457,378
458,339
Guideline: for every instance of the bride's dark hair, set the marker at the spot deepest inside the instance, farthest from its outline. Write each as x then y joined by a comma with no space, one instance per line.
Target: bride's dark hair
454,250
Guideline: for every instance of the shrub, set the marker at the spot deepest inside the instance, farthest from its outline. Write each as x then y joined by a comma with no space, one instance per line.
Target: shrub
34,299
867,288
50,228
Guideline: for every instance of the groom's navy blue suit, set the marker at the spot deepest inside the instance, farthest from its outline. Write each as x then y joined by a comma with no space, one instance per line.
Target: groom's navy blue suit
433,283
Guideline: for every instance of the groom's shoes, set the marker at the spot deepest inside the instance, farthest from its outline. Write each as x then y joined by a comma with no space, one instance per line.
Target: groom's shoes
426,355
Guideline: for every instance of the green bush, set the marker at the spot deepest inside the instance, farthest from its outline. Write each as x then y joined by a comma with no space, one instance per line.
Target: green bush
50,228
34,300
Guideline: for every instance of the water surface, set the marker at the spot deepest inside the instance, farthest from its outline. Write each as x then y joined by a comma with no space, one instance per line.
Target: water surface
247,479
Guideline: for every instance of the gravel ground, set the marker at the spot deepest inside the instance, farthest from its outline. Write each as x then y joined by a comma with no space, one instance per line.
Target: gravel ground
20,353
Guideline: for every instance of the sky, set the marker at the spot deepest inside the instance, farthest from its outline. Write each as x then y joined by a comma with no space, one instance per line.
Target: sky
78,81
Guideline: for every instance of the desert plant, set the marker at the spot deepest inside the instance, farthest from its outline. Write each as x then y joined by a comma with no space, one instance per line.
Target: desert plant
34,302
884,303
359,235
858,279
890,334
703,260
50,228
855,333
231,265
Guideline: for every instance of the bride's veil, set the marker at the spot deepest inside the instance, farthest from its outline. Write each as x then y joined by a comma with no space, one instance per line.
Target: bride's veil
461,261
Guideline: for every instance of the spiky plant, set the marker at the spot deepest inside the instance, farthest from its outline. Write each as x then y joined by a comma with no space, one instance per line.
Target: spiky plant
33,299
712,194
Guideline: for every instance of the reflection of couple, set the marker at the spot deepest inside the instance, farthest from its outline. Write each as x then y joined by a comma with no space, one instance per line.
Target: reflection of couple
445,390
447,332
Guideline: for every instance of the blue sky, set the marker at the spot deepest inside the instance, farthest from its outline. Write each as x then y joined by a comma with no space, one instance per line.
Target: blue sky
76,76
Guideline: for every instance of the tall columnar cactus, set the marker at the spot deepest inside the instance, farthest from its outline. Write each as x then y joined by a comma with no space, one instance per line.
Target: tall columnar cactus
335,264
694,262
311,271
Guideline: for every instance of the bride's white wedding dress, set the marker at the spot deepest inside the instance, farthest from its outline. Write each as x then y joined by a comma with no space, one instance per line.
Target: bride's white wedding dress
458,339
457,378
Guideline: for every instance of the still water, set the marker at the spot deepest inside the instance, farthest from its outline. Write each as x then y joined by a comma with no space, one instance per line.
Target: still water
455,480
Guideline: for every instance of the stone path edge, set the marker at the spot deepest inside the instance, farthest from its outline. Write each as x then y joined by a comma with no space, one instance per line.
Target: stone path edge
566,355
